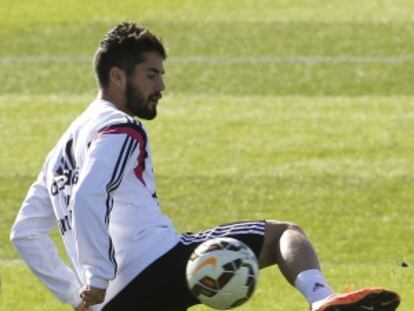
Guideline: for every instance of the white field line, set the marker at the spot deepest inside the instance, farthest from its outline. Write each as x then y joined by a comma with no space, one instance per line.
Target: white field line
206,59
11,262
293,59
392,263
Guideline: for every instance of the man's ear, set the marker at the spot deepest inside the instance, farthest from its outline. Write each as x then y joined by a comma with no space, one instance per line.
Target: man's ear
118,77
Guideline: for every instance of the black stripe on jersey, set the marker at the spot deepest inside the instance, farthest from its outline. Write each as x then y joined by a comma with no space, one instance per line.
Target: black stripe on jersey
142,139
235,227
132,145
110,202
128,147
117,178
225,230
120,157
111,254
189,239
133,121
133,125
69,153
138,126
127,150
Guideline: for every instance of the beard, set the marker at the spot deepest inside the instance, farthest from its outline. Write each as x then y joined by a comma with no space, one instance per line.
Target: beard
138,105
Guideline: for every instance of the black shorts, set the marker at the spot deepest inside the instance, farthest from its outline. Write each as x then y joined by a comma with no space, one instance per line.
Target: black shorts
162,286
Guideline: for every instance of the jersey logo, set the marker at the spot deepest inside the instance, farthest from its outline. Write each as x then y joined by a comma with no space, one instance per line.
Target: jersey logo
64,224
65,176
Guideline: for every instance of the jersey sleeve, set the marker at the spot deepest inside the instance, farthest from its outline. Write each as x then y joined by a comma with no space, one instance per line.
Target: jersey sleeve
101,175
30,236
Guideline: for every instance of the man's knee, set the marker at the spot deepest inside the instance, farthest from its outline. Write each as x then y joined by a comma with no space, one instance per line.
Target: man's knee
273,233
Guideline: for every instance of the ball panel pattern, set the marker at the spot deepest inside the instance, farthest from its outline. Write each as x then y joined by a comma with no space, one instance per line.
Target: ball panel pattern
222,273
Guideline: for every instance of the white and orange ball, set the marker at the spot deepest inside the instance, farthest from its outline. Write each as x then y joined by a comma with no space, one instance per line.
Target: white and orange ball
222,273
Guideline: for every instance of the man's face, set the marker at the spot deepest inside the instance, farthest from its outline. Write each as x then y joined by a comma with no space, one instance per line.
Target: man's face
144,87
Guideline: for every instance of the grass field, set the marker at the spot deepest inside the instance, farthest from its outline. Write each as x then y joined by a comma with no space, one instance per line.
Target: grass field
298,110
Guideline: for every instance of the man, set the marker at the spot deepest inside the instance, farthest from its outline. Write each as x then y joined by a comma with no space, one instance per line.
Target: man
97,185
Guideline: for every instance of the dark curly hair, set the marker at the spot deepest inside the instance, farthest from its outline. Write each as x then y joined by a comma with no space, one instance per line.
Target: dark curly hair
124,46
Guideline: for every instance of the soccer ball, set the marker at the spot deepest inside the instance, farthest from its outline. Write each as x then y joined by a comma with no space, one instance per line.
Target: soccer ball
222,273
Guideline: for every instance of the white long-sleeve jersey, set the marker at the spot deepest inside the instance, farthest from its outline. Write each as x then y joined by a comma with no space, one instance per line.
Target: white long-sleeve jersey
97,185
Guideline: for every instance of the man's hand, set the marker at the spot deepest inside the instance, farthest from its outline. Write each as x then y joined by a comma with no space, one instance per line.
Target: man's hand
91,296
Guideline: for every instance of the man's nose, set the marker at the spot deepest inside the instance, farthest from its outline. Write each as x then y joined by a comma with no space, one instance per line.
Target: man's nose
160,86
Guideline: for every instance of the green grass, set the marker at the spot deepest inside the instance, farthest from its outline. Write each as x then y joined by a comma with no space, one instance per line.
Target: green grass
339,166
296,110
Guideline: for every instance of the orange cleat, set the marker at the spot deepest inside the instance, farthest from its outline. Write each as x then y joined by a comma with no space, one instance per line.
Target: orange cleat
367,299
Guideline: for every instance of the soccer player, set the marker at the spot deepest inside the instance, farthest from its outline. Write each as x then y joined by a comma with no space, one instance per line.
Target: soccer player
97,186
